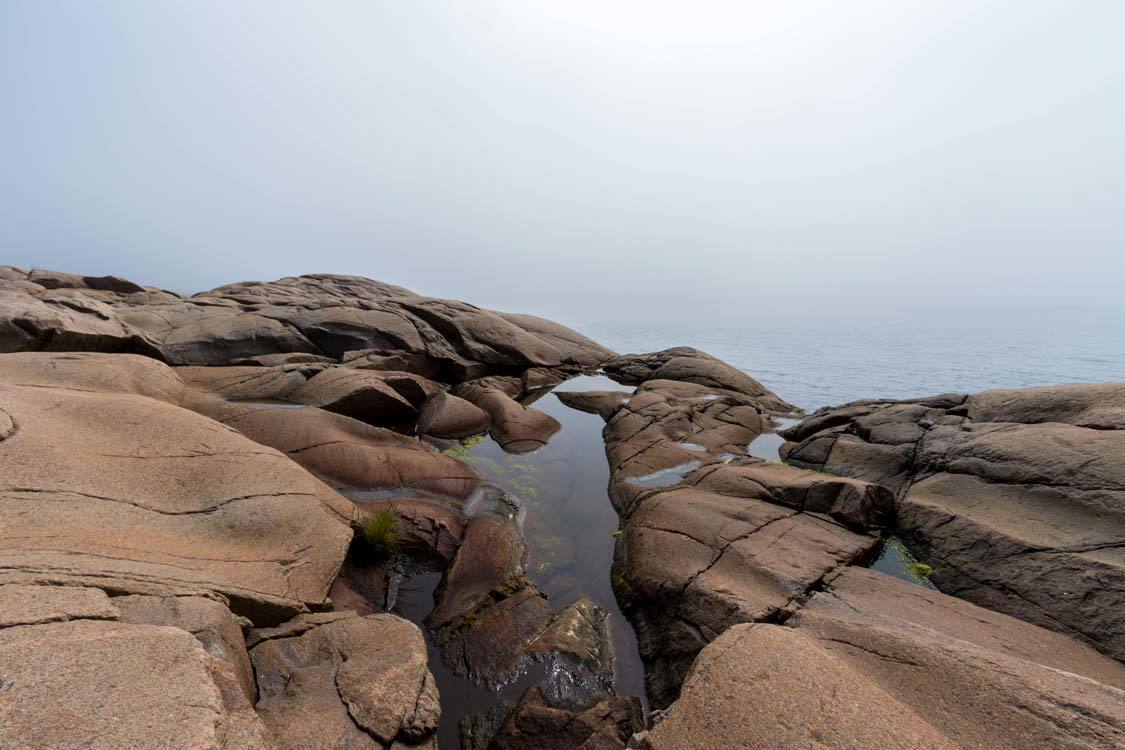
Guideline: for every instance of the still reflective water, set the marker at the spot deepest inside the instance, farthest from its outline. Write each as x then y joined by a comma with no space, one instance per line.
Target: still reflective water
568,523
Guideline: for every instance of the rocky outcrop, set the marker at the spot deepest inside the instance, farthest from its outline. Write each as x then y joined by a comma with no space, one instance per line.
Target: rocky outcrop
875,662
135,495
685,364
355,682
318,314
75,676
1016,497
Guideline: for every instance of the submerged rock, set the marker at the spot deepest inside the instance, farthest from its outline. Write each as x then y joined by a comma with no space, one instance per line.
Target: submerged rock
1016,498
536,724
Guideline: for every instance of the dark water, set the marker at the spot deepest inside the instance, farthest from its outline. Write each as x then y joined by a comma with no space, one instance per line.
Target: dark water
895,560
568,524
459,696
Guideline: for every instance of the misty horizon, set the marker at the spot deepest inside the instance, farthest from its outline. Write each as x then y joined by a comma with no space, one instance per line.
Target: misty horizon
887,154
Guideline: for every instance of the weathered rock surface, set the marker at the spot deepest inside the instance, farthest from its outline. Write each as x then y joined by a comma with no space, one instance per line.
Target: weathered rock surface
318,314
667,426
871,600
493,623
35,605
210,622
1024,517
689,365
350,454
135,495
357,682
106,685
602,403
247,382
94,372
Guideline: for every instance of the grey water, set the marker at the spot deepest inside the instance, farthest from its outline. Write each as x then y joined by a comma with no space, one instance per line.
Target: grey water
840,355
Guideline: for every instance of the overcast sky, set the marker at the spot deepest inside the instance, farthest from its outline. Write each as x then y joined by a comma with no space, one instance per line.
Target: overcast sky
812,152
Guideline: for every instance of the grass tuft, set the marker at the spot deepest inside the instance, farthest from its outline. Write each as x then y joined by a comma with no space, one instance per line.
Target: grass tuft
379,532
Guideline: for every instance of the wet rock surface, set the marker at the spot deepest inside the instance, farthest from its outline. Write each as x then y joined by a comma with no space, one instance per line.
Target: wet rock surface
535,724
1024,517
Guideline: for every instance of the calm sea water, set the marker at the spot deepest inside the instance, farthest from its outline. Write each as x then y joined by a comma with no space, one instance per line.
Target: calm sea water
838,357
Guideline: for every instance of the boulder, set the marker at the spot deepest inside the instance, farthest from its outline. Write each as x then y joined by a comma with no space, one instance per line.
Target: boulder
357,682
695,562
603,403
710,537
870,599
210,622
319,315
770,686
382,359
872,661
35,605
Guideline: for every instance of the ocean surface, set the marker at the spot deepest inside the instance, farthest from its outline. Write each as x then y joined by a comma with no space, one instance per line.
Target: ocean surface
830,359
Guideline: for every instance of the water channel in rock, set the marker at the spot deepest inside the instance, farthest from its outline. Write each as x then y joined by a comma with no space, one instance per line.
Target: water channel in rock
569,526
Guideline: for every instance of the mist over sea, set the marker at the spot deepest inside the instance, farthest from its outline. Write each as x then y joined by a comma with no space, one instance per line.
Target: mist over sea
840,355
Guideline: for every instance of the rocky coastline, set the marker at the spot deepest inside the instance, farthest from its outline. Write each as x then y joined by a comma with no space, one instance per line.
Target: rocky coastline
213,510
